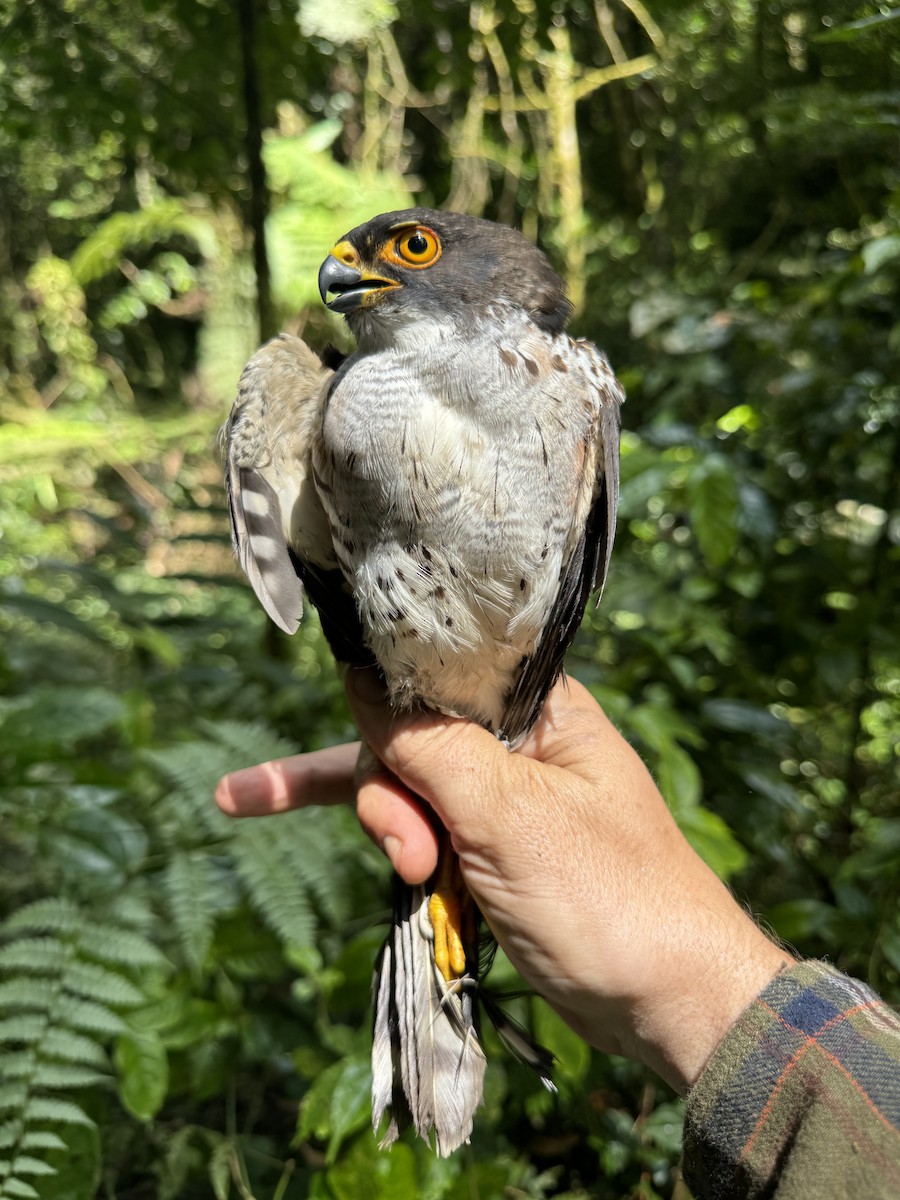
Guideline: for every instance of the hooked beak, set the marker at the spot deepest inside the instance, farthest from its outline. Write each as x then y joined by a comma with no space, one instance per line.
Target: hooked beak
354,288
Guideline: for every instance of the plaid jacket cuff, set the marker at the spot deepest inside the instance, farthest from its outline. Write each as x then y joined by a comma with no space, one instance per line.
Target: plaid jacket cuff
801,1098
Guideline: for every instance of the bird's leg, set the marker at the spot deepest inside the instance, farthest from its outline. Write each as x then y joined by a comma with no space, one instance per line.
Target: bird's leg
451,912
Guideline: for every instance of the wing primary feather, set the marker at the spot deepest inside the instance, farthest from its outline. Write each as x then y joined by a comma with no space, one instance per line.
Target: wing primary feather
261,549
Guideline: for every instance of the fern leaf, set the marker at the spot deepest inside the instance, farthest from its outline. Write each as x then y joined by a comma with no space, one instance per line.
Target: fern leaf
272,883
62,1112
124,947
73,1047
19,1189
26,1165
34,955
191,891
42,1139
316,863
96,983
194,768
18,1065
92,1017
242,740
12,1096
10,1133
52,915
27,993
26,1027
62,1076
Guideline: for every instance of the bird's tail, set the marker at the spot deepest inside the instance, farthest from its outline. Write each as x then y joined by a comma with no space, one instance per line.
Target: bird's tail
427,1061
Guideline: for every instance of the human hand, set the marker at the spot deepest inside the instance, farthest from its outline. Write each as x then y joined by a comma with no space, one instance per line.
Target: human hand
572,855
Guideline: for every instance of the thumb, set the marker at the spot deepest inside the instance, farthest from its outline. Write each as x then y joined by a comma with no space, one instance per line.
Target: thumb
453,764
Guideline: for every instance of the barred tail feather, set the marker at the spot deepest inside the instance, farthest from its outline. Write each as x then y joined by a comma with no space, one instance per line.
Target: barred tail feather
427,1062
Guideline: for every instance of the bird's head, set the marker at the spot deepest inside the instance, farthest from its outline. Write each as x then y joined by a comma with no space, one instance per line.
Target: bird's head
421,266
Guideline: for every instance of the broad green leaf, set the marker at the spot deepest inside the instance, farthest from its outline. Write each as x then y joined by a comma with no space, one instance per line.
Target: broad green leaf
143,1073
351,1103
879,251
367,1171
713,507
572,1053
679,778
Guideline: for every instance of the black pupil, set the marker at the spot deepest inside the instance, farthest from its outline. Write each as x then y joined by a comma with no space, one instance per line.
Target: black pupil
417,244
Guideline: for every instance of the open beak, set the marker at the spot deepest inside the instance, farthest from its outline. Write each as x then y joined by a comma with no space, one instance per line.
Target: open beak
352,288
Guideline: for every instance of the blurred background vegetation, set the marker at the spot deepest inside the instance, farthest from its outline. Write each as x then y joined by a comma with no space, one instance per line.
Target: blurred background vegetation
184,1000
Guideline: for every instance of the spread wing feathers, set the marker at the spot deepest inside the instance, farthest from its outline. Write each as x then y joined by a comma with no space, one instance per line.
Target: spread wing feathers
277,520
588,561
427,1064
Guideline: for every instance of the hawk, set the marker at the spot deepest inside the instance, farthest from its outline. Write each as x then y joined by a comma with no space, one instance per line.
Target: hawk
446,497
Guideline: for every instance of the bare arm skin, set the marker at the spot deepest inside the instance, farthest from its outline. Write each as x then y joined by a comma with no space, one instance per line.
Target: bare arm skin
572,855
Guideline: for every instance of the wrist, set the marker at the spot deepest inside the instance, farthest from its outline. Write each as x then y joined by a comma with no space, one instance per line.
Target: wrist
715,980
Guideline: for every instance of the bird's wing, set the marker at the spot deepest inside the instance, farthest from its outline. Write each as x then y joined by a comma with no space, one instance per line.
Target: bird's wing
592,536
279,529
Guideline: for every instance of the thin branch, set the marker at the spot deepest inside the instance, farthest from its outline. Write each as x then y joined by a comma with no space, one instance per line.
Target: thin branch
590,82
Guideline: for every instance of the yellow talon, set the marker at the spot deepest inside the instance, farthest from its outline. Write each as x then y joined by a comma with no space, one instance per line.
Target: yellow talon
445,912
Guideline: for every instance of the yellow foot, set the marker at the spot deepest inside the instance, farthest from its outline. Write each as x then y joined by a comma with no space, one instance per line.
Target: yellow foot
445,912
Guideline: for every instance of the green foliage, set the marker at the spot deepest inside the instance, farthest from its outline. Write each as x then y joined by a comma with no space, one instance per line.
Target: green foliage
184,999
317,199
60,1002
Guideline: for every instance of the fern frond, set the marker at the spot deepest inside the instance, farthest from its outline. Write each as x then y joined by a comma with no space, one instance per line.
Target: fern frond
12,1096
42,1139
63,1076
35,956
121,947
57,1007
28,993
91,1017
96,983
194,769
25,1027
69,1046
17,1188
62,1112
314,852
100,253
192,894
270,876
26,1165
19,1064
51,915
244,740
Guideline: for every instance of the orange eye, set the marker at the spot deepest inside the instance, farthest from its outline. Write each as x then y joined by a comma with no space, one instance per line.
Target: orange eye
418,247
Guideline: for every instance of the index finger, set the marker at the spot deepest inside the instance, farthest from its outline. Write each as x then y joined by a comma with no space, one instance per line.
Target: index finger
321,777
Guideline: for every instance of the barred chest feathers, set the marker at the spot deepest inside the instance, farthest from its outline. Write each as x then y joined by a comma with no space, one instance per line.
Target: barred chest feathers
454,480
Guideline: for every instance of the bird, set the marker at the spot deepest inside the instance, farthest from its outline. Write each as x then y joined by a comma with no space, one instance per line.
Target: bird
446,498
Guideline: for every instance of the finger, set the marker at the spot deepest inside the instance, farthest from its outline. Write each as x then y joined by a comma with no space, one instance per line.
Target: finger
397,823
453,764
322,777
